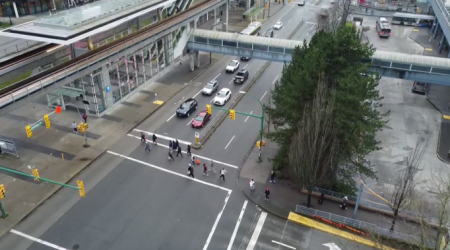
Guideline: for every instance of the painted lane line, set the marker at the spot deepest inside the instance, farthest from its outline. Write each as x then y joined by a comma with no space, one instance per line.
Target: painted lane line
197,93
171,117
212,100
263,96
43,242
233,236
229,142
217,76
289,21
274,80
248,116
311,23
245,66
189,123
196,155
168,171
258,228
281,244
216,222
161,136
231,81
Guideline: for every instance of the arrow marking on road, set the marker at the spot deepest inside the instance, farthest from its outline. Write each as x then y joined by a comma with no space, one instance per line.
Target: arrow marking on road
332,246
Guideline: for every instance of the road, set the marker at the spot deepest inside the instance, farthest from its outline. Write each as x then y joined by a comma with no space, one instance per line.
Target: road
141,200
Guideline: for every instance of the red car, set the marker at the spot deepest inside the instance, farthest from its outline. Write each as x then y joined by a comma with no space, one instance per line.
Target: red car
201,119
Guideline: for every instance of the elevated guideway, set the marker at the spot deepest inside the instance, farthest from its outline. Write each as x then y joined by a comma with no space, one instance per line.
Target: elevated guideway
390,64
442,12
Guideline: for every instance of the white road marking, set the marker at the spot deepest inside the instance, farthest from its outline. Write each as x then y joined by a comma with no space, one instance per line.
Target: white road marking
233,236
217,76
216,222
161,136
189,123
252,243
311,23
196,155
229,142
245,66
211,100
166,133
169,171
263,96
248,116
274,80
43,242
281,244
197,93
231,81
171,117
289,21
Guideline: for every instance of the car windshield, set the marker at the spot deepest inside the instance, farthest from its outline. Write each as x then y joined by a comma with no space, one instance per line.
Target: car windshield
221,94
232,63
185,105
199,118
240,74
278,23
209,86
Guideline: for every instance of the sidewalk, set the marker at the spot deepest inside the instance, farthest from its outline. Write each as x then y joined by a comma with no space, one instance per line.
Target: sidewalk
46,149
284,197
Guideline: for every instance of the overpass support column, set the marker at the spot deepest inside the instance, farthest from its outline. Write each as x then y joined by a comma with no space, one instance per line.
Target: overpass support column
441,43
215,19
138,23
160,16
72,51
168,50
225,21
194,60
436,30
107,96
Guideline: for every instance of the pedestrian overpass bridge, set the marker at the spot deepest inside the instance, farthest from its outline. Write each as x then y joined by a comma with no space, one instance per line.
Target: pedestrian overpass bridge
390,64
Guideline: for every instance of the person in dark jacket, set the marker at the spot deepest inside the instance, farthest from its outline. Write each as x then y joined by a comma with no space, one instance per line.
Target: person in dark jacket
142,137
267,193
154,139
170,145
189,149
179,152
321,199
191,171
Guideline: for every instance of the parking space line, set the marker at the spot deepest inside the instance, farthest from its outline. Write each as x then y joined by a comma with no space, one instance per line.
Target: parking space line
189,123
216,222
196,155
258,228
43,242
233,236
248,116
229,142
161,136
171,117
168,171
281,244
217,76
263,96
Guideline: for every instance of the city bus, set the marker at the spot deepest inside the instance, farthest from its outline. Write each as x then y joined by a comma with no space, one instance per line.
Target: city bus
412,19
252,29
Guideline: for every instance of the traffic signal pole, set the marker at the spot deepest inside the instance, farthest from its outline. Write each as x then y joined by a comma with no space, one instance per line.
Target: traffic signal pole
86,145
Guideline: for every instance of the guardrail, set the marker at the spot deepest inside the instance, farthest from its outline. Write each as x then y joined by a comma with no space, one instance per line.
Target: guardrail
445,13
18,48
364,226
141,38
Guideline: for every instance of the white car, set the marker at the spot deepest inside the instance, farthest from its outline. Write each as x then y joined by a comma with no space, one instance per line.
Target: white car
301,3
222,97
278,25
232,66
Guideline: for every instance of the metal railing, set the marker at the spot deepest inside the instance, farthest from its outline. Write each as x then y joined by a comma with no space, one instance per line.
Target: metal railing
364,226
445,13
18,48
142,38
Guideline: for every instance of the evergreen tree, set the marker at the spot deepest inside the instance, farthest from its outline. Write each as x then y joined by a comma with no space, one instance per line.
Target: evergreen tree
336,56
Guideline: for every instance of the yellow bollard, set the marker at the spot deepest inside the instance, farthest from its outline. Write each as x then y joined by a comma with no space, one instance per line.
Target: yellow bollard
62,156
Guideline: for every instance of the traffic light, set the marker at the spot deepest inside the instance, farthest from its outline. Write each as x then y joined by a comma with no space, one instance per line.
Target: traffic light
81,128
232,114
258,143
2,191
29,131
81,188
208,109
47,121
35,173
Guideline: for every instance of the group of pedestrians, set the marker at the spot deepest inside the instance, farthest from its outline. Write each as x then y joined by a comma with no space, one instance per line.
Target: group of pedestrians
195,161
175,146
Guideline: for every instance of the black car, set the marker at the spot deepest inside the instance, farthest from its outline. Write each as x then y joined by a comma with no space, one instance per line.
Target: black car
187,107
241,76
245,58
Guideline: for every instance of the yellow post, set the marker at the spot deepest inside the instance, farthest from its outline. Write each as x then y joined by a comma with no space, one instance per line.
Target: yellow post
197,140
62,156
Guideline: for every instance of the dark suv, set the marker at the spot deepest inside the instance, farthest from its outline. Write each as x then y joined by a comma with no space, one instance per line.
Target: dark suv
241,76
187,107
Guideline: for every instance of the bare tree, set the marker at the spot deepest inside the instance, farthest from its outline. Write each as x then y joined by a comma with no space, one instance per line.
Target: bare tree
312,148
405,183
332,17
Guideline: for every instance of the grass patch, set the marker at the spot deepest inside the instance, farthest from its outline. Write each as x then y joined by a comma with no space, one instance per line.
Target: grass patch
146,22
5,25
13,80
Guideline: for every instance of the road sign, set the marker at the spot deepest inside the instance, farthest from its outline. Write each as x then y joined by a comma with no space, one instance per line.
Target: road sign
197,135
332,246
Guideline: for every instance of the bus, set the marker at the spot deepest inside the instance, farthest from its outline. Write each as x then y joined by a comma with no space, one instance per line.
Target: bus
252,29
383,27
412,19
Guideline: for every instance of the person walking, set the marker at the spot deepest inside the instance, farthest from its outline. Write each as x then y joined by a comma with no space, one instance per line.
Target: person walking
222,174
267,193
211,166
170,156
154,139
85,117
170,145
143,137
344,202
179,152
178,144
191,171
175,145
74,126
321,199
252,185
193,160
147,146
205,169
272,176
188,149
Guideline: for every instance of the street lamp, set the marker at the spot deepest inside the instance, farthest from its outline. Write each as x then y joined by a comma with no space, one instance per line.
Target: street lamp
86,145
262,123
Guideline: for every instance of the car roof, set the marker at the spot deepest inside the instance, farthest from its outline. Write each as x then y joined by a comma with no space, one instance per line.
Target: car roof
213,81
242,70
278,22
234,61
202,113
190,100
224,89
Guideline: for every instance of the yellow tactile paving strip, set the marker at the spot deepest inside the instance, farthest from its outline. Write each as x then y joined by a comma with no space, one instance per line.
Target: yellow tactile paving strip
446,117
331,230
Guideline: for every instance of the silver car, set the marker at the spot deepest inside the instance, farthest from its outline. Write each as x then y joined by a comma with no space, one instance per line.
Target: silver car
210,87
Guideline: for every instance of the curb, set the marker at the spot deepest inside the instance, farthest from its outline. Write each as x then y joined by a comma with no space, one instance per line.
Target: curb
440,129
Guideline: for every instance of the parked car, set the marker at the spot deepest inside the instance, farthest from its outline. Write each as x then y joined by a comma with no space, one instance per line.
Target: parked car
232,66
241,76
201,119
210,87
187,107
222,97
